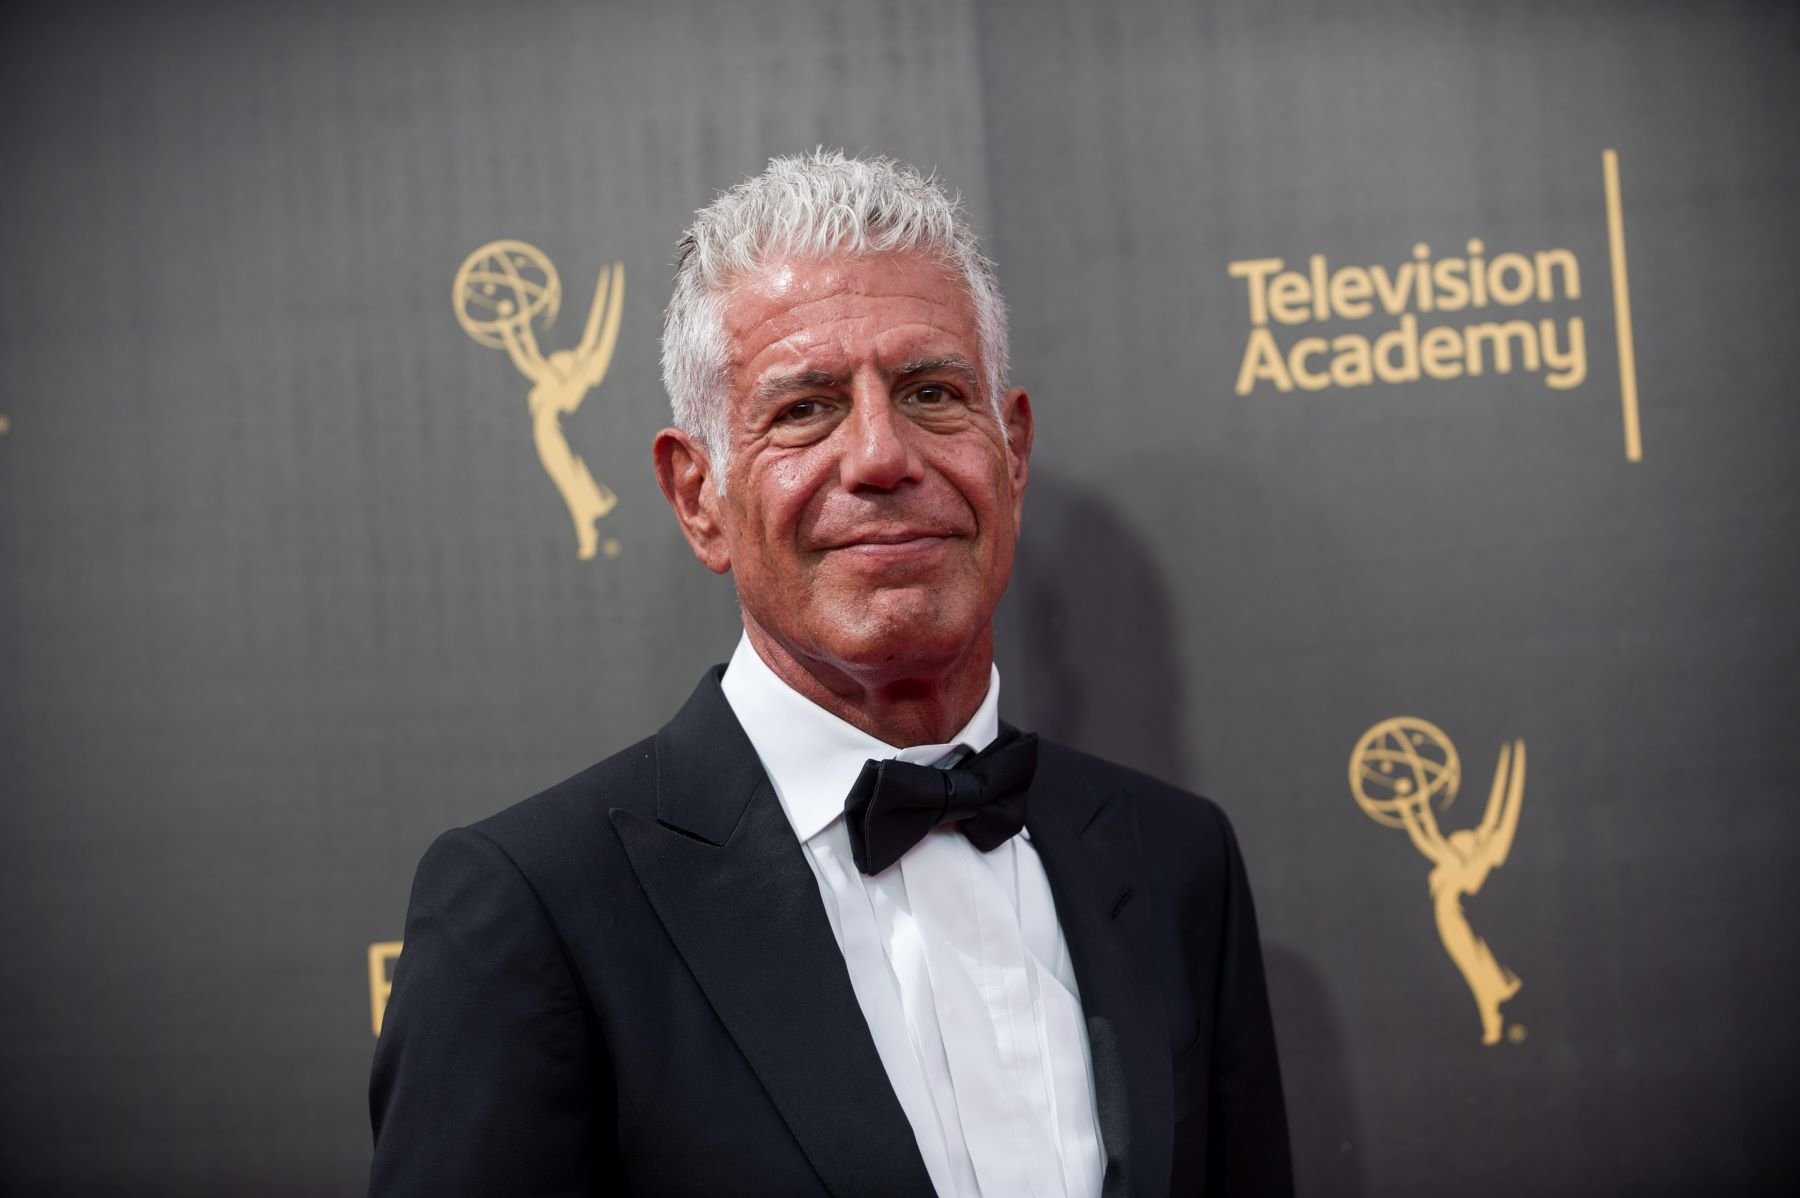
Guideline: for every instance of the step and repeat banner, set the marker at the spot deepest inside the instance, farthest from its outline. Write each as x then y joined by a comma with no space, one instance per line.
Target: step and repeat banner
1416,476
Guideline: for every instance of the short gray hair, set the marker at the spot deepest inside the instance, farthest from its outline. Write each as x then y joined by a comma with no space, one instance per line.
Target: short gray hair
810,207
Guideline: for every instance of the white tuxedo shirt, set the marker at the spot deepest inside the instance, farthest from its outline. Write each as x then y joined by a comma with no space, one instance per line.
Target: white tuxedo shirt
955,955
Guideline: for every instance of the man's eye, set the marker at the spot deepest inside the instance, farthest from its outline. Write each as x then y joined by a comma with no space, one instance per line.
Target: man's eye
806,409
932,395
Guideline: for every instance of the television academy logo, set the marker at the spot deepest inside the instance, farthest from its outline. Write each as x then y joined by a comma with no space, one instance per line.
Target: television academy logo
1484,310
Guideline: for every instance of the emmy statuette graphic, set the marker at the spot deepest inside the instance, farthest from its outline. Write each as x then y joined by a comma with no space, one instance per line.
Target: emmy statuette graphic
501,291
1398,770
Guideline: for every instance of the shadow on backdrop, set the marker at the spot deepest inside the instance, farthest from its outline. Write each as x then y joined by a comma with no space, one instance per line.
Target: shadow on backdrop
1087,641
1086,636
1316,1076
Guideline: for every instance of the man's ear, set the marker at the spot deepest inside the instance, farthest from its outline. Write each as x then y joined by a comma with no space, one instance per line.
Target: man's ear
1015,409
684,473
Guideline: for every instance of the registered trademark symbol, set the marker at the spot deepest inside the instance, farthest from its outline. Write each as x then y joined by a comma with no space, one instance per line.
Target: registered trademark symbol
610,547
1516,1033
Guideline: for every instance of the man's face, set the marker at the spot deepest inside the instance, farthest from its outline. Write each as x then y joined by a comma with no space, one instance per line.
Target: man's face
872,498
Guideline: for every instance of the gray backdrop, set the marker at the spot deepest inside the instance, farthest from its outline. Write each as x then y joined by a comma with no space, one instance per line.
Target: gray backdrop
284,590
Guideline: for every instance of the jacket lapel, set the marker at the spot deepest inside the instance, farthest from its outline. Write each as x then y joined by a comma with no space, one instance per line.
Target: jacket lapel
728,880
1087,843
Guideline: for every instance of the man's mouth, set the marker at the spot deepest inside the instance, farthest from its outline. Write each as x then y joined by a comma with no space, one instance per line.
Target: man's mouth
891,545
898,538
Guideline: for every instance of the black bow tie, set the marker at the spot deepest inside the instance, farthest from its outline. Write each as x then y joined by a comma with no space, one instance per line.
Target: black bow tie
895,803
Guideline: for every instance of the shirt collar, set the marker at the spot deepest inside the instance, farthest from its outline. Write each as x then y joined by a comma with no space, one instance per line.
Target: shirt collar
811,756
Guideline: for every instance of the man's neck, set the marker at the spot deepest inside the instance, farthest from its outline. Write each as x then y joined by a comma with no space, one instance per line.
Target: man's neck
915,707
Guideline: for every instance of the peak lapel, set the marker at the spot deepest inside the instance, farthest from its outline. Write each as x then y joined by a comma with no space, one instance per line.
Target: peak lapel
731,886
1087,844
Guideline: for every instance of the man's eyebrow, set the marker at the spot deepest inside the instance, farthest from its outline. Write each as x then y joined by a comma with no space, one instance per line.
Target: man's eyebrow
949,363
783,385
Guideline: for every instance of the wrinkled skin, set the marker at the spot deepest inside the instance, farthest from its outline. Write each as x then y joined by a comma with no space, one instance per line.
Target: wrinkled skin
872,500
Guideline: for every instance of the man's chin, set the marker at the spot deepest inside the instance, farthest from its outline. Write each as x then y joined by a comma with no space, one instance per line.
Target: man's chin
905,631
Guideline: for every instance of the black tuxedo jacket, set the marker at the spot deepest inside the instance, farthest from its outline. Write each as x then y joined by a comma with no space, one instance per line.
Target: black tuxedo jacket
628,983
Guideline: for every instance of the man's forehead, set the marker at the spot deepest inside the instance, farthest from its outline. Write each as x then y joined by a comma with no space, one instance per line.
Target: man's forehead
829,314
894,350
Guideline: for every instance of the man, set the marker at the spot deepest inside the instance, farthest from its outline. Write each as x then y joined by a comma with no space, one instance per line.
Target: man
776,949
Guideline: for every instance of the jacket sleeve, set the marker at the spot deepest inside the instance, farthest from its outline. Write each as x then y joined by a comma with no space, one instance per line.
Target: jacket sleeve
486,1071
1247,1134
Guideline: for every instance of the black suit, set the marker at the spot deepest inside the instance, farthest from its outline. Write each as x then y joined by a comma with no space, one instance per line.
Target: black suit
628,982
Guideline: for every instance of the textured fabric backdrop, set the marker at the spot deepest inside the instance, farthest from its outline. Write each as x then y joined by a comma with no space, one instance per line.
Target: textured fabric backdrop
286,588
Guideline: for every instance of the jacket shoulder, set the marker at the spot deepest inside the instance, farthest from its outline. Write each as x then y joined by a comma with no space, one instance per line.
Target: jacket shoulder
1155,804
1184,839
572,817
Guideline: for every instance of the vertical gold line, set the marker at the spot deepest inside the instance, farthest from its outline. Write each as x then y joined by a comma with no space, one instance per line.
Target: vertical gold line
377,1000
1615,236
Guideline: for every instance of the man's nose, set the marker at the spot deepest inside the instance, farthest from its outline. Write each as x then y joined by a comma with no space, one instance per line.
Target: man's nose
878,449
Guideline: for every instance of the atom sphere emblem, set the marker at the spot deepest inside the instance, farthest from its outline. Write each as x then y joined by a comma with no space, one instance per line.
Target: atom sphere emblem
1403,764
506,286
